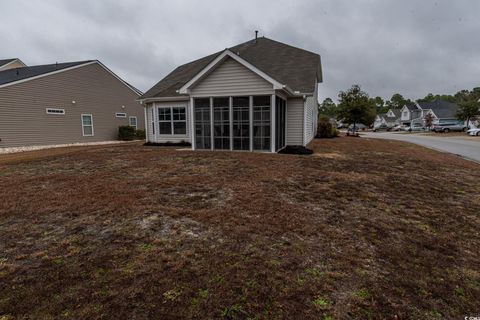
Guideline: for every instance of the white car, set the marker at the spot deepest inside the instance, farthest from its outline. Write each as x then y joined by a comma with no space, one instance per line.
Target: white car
474,132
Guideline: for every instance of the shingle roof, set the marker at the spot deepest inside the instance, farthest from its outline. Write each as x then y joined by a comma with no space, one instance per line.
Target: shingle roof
294,67
411,107
5,61
16,74
442,109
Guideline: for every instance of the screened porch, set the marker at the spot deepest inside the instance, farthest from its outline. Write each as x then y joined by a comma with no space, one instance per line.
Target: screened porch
242,123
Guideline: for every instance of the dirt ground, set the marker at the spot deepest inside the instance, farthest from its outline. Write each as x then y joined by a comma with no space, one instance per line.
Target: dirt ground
362,229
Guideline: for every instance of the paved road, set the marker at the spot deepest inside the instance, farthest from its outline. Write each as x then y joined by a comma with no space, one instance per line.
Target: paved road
467,147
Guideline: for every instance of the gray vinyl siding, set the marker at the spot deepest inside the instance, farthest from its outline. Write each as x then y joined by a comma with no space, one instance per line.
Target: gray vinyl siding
295,118
232,78
24,121
167,138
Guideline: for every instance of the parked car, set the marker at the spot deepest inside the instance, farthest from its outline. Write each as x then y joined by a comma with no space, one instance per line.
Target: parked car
400,127
416,127
449,126
358,126
382,127
474,132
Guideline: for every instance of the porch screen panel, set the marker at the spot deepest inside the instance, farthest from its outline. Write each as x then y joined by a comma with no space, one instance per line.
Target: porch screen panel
221,123
202,123
241,123
261,123
280,122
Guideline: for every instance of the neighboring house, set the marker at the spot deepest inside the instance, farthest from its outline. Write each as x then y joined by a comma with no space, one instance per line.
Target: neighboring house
6,64
390,119
65,103
409,113
260,95
441,111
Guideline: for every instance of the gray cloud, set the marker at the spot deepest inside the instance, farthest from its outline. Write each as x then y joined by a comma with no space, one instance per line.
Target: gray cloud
412,47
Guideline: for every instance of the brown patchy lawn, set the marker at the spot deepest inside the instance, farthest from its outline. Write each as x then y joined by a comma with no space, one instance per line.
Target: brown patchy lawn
361,229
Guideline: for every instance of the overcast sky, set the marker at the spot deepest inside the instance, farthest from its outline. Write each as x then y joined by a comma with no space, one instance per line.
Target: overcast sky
408,46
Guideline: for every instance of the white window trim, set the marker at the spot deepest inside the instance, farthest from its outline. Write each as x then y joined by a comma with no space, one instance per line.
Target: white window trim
83,126
62,113
130,122
172,121
120,115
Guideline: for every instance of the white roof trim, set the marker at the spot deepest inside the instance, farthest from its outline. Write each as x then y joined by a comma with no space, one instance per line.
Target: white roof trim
68,69
15,60
163,99
184,89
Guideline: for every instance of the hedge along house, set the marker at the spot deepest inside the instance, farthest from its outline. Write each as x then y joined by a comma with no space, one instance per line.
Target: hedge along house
260,95
64,103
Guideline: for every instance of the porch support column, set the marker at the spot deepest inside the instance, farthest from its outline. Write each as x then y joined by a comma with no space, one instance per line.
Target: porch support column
211,124
192,124
272,123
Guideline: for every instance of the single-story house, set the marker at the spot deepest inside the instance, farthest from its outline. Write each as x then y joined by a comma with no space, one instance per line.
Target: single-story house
441,111
390,119
63,103
260,95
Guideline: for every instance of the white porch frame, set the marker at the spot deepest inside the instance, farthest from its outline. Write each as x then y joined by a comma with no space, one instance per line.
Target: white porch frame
230,105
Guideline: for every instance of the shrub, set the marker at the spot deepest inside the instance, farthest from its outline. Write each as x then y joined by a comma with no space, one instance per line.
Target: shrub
326,129
140,134
126,133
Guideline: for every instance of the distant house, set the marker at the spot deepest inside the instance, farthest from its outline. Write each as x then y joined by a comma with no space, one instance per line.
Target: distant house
409,113
260,95
6,64
64,103
390,119
441,111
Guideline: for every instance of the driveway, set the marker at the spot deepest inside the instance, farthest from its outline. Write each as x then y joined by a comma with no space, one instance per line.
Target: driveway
464,146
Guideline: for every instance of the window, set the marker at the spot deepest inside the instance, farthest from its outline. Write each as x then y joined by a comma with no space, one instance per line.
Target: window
120,115
132,121
55,111
221,123
172,120
164,121
405,114
179,120
261,123
241,123
202,123
87,125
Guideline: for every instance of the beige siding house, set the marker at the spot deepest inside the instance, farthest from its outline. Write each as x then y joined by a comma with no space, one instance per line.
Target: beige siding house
78,102
260,95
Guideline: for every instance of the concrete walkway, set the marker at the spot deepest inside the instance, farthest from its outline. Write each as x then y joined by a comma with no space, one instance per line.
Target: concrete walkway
465,146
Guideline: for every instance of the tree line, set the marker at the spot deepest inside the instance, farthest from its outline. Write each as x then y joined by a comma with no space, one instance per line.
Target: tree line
356,106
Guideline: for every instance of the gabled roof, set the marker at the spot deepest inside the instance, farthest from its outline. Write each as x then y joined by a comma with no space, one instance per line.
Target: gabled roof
16,75
5,61
411,107
440,108
294,67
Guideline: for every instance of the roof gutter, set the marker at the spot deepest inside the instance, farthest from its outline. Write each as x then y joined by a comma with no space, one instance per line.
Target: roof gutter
162,99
